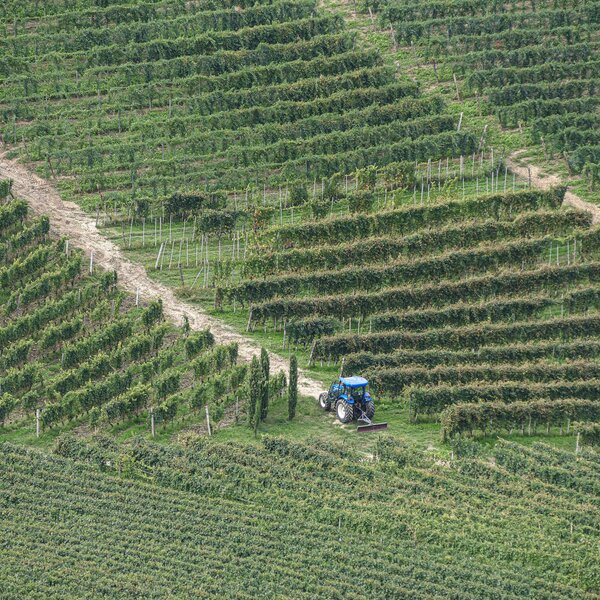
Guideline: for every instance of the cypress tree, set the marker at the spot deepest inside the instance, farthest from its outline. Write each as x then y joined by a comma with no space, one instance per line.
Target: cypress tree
254,389
265,366
293,387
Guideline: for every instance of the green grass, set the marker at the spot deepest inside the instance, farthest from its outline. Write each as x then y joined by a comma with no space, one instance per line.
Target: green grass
23,432
310,422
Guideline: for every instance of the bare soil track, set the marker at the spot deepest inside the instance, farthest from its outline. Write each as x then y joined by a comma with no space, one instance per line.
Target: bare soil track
547,181
69,221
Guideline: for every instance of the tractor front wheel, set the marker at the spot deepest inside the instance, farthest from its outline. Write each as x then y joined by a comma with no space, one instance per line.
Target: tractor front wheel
370,409
324,401
345,412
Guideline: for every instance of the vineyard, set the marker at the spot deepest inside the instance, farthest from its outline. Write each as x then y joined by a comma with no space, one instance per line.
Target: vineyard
292,180
124,105
533,65
237,521
445,306
210,209
77,350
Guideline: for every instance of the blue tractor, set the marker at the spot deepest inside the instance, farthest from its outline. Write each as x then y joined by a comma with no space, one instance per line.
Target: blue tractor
350,399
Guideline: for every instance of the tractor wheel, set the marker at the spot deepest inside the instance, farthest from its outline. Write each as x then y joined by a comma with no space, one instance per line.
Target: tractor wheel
324,401
345,412
370,409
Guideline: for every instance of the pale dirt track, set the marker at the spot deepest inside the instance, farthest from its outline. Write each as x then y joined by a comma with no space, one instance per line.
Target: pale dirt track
69,221
549,181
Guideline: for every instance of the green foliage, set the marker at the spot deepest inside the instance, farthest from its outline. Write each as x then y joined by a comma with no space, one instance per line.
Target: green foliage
262,217
185,326
411,218
126,404
398,175
167,410
217,222
298,194
167,384
530,65
181,204
218,359
460,338
428,400
264,398
393,381
330,189
361,201
430,268
16,354
138,484
215,96
589,433
200,396
21,268
5,188
293,387
254,389
489,417
198,342
7,404
361,304
107,337
592,173
12,212
511,308
304,331
16,380
90,362
367,250
152,313
319,208
366,177
277,385
61,332
520,352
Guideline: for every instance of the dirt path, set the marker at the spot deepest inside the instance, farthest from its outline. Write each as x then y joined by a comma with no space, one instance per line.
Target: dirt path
68,220
548,181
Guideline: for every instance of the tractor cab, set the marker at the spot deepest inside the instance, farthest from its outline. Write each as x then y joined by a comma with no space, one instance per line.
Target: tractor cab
350,398
353,389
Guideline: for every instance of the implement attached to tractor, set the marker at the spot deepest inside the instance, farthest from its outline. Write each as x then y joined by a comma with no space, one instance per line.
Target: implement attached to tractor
351,401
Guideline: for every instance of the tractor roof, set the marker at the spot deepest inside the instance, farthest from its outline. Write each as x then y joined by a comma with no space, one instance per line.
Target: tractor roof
354,381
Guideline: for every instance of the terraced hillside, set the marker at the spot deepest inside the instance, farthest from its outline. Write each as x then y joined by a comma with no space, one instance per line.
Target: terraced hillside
533,65
337,182
125,104
240,521
488,298
76,350
257,158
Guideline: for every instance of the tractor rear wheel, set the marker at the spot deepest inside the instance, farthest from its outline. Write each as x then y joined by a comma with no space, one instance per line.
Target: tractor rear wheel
324,401
370,409
345,412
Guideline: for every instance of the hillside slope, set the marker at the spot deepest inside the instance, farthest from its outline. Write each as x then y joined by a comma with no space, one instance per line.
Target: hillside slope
283,520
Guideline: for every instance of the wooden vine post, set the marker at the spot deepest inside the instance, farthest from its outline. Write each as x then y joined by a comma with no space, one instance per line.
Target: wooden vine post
208,420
